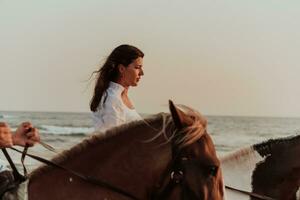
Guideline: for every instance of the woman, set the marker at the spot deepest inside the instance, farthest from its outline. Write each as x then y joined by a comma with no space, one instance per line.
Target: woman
110,104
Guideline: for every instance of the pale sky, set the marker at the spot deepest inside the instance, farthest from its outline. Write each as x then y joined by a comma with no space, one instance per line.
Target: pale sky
228,57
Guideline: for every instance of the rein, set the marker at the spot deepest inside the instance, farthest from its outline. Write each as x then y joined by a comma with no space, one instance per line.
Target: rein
87,179
251,194
17,176
174,169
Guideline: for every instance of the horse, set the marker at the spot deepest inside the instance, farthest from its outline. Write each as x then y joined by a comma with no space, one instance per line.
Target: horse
270,168
163,157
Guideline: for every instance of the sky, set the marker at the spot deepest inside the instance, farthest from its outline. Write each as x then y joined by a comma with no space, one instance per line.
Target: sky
228,57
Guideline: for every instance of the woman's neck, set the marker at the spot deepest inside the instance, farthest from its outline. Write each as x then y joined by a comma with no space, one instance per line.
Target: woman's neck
125,92
124,85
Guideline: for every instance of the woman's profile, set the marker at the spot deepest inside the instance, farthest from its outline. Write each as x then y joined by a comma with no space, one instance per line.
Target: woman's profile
110,104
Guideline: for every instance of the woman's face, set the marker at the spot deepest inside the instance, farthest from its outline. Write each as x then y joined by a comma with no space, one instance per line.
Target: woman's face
131,74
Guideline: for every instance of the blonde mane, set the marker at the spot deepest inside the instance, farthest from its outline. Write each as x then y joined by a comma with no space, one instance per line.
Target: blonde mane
194,131
189,134
237,155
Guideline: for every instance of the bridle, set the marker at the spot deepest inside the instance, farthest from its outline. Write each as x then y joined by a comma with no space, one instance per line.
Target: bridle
174,174
172,177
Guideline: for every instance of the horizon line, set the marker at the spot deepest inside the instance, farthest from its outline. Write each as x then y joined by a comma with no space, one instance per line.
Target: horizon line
143,113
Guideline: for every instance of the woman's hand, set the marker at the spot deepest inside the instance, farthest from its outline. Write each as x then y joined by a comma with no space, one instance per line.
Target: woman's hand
26,135
5,136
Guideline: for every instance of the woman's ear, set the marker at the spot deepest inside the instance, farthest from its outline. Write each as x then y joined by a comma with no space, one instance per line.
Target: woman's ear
121,68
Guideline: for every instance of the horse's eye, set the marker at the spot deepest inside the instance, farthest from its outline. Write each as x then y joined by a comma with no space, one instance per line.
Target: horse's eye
213,170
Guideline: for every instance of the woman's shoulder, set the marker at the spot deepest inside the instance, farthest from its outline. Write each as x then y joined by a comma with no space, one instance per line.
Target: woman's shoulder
109,106
113,99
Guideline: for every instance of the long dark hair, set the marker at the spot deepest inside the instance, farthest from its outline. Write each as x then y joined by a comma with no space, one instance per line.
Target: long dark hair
123,54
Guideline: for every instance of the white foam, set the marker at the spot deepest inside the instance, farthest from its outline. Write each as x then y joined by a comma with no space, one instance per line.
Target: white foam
7,116
64,130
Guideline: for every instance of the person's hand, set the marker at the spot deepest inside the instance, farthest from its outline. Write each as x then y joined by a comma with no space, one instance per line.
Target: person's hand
5,136
26,135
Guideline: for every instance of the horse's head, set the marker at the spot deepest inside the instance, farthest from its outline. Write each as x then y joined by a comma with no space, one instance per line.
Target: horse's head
194,171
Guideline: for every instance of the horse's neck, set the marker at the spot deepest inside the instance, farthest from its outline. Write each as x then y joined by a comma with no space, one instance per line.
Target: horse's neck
128,156
126,159
238,167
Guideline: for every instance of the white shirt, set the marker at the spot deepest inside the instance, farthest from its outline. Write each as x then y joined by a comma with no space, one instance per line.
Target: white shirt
113,112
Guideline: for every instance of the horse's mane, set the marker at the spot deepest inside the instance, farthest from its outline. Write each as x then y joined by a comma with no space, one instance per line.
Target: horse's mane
193,132
265,148
237,154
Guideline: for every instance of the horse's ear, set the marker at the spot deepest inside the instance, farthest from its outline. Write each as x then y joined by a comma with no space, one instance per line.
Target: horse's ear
179,117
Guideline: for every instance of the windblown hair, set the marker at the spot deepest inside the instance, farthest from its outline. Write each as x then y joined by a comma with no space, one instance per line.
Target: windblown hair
124,55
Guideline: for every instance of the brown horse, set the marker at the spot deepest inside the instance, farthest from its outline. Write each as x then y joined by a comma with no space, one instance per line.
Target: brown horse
163,157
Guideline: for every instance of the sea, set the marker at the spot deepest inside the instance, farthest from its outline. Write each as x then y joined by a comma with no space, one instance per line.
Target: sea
64,130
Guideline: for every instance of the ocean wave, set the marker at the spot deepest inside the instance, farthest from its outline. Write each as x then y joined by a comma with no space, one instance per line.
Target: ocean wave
64,130
2,116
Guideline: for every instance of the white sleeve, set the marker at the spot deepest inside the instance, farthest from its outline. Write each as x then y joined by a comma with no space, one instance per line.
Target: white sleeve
110,115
